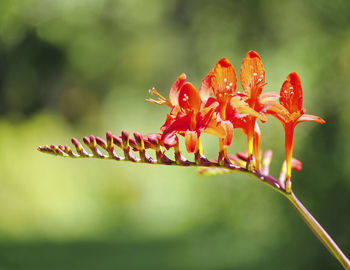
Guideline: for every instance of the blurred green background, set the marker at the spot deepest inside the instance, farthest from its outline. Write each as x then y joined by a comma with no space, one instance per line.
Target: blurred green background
80,67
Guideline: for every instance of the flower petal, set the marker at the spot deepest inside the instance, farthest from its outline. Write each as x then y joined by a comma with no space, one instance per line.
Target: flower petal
297,165
224,79
227,125
310,117
252,75
214,128
203,118
189,98
179,124
243,108
212,103
175,89
291,95
269,97
205,91
191,140
278,111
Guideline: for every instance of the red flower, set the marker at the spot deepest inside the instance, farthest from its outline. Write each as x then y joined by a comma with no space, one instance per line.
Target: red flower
290,112
191,119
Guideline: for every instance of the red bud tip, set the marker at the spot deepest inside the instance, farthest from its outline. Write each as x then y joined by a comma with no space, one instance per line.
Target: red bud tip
133,143
86,140
75,142
108,135
125,139
101,142
138,137
92,138
152,138
117,140
125,135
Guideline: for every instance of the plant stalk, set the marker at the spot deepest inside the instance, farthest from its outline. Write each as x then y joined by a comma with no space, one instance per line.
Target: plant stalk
317,229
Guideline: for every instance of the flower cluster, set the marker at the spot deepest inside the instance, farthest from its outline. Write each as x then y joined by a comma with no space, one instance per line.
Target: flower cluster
218,109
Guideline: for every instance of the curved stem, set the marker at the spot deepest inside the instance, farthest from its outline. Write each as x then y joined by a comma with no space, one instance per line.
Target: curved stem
317,229
123,142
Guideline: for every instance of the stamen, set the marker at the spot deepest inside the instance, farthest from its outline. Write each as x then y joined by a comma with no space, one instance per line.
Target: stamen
153,91
255,74
225,80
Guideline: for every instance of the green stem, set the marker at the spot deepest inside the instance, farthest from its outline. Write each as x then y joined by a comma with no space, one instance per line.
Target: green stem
321,234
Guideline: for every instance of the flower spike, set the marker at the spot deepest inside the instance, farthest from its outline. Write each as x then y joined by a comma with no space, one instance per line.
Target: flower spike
216,109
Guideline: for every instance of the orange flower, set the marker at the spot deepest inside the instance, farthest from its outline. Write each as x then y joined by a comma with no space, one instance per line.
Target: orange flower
252,77
290,112
191,119
222,82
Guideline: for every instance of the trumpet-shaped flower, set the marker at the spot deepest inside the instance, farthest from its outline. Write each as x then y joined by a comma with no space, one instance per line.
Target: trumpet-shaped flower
191,119
290,112
231,109
252,75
